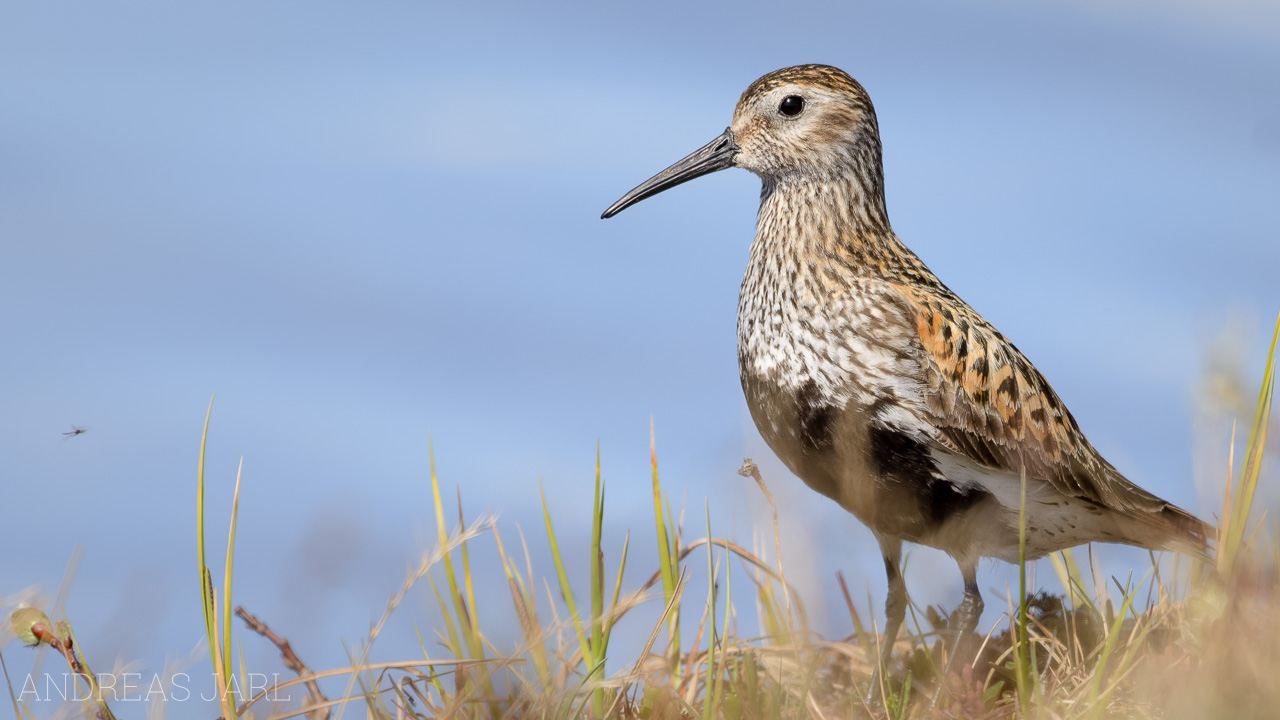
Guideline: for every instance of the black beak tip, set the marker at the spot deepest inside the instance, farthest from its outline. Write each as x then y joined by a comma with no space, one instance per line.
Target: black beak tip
715,155
614,209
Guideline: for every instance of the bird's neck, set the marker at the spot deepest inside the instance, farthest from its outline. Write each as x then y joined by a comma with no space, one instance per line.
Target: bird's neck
838,224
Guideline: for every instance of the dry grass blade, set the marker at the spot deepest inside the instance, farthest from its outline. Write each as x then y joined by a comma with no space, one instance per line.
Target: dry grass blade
479,526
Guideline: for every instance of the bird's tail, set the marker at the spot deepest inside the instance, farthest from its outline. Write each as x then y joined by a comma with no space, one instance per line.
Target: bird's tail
1155,523
1185,533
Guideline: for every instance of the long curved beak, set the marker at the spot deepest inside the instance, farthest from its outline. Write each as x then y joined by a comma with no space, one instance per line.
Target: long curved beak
715,155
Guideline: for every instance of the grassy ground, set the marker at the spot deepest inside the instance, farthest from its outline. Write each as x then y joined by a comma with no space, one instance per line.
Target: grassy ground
1193,641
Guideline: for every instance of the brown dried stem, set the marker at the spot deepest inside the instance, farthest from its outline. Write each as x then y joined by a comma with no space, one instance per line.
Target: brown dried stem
291,661
751,470
66,645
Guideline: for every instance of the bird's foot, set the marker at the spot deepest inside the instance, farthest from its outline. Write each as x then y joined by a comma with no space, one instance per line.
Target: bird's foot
875,697
880,693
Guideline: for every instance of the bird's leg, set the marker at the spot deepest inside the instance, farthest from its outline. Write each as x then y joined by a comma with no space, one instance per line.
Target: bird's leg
963,623
895,608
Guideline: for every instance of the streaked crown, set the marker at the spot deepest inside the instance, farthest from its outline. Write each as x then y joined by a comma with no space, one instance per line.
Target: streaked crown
827,77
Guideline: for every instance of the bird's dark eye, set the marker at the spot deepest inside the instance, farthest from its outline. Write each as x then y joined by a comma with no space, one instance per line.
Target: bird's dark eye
791,105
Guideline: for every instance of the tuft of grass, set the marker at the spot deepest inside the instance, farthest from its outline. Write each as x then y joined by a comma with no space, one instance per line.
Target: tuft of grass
1201,644
215,617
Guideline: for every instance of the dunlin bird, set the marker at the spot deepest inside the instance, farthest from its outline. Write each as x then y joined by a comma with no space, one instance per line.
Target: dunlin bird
876,384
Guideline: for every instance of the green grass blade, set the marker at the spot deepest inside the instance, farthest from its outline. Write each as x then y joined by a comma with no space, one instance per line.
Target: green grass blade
475,640
1021,660
565,590
617,591
433,678
668,562
466,625
473,619
664,548
721,670
711,607
1096,709
527,618
465,628
597,589
1242,502
226,578
1068,572
451,628
206,585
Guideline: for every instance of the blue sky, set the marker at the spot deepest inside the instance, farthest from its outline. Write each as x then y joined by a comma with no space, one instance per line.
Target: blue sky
366,226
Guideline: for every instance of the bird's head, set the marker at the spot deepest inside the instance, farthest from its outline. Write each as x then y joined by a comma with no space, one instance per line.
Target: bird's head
807,122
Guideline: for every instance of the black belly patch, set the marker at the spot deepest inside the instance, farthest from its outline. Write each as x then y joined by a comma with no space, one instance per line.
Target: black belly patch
815,416
902,460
